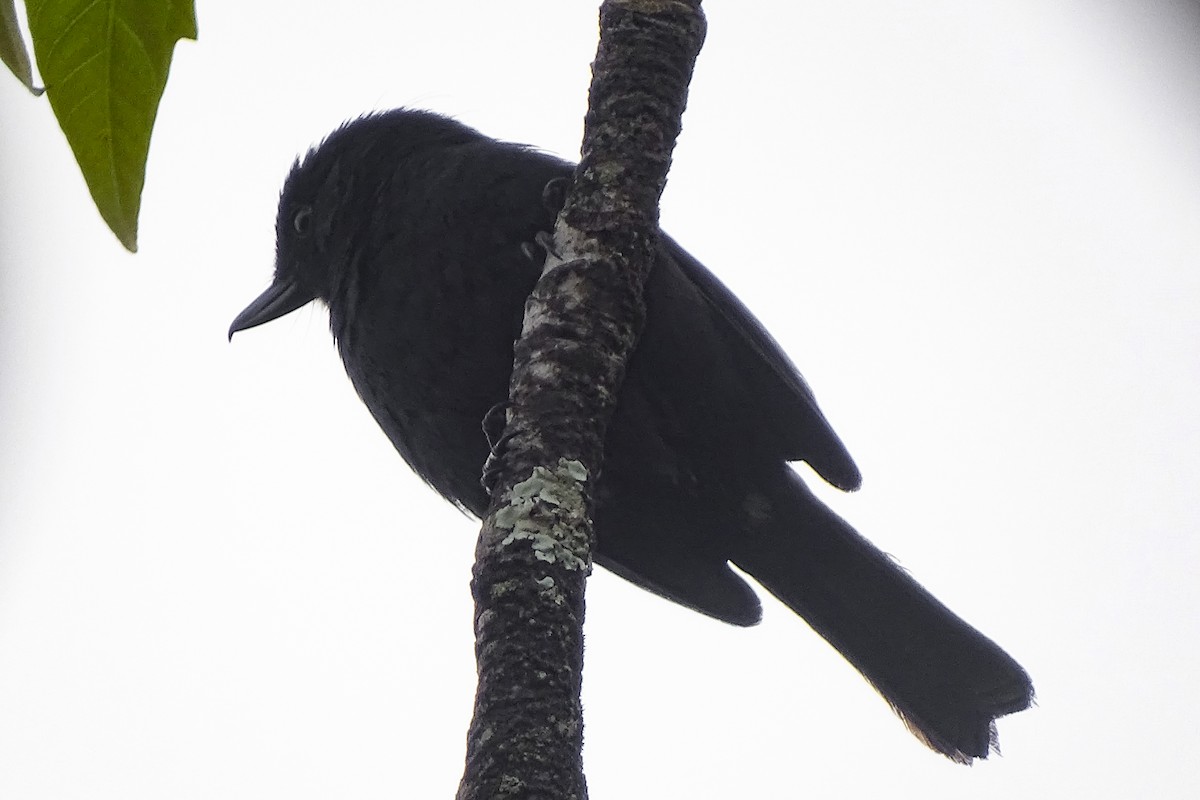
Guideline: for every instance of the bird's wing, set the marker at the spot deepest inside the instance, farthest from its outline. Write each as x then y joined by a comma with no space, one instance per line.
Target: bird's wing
782,399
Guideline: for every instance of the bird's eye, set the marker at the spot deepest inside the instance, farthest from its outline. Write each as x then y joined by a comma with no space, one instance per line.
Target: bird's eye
302,221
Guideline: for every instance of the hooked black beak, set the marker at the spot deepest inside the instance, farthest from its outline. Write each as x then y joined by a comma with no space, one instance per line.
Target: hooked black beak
280,298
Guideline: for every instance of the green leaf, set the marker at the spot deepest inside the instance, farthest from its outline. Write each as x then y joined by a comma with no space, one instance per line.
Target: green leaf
12,47
105,64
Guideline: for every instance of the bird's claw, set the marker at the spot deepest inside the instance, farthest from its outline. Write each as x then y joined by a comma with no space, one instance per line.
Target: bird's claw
541,246
554,194
495,421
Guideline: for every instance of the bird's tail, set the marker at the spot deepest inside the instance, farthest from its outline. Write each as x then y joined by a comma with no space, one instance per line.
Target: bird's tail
946,680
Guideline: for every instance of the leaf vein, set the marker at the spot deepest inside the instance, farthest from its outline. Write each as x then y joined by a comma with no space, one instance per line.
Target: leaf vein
68,28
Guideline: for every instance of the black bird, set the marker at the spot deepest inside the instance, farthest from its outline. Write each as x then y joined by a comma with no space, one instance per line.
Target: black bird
414,230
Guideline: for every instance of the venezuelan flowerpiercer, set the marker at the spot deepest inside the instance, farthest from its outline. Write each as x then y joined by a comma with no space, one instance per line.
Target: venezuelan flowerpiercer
414,230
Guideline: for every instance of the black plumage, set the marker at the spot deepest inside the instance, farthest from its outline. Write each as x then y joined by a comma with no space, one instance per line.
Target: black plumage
413,230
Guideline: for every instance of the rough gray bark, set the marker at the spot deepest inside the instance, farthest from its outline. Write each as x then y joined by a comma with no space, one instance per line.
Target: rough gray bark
581,322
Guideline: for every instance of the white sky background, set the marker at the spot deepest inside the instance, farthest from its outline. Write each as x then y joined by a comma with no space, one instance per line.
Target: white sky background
975,227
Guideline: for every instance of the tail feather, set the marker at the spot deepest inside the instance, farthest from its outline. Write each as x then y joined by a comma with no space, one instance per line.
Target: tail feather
947,681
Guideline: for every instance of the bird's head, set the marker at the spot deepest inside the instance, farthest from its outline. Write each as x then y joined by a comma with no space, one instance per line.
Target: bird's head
328,199
308,250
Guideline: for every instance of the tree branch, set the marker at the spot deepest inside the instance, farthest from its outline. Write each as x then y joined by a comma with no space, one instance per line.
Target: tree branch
581,323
